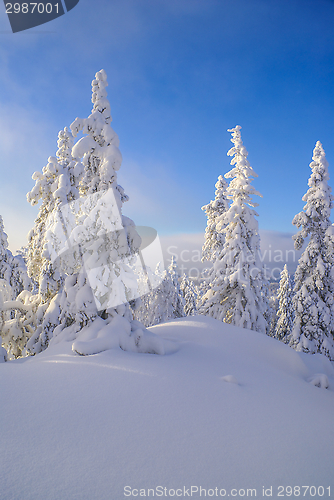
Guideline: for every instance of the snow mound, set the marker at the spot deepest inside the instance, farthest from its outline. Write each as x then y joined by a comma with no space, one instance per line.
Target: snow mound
230,379
319,380
118,333
89,426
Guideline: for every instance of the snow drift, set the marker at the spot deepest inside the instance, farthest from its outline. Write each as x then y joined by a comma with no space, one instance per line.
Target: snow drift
228,408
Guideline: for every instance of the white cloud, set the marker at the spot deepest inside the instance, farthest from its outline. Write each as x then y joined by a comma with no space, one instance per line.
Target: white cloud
187,250
276,247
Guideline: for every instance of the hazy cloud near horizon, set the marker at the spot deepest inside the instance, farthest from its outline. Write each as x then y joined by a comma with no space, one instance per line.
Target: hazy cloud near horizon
276,247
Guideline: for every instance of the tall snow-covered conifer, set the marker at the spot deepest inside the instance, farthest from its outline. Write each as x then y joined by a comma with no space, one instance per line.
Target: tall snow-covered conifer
109,238
103,243
215,210
314,278
190,296
165,301
56,185
236,292
158,301
5,255
12,268
285,307
175,295
13,280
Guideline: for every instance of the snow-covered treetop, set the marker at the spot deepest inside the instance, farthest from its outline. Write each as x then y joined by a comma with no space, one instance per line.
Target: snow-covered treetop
6,257
65,144
12,269
219,204
98,149
319,201
99,97
3,239
97,125
172,268
56,185
60,176
285,282
242,174
70,176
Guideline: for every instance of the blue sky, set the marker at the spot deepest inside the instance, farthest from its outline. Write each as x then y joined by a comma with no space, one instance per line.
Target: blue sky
180,72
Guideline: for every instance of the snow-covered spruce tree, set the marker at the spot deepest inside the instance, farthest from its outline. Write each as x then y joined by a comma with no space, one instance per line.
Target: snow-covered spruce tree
190,296
13,279
55,187
165,300
271,313
142,312
203,286
156,306
20,280
5,256
12,268
20,323
173,291
94,303
158,303
149,309
99,149
215,210
285,308
236,293
5,295
214,236
314,278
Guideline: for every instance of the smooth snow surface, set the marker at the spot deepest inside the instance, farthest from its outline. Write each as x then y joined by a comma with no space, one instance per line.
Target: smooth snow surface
229,408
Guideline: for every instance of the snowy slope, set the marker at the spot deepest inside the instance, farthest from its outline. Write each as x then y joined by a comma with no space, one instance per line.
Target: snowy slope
76,427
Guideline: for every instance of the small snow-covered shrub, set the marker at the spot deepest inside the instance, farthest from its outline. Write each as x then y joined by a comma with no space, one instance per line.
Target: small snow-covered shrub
21,324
